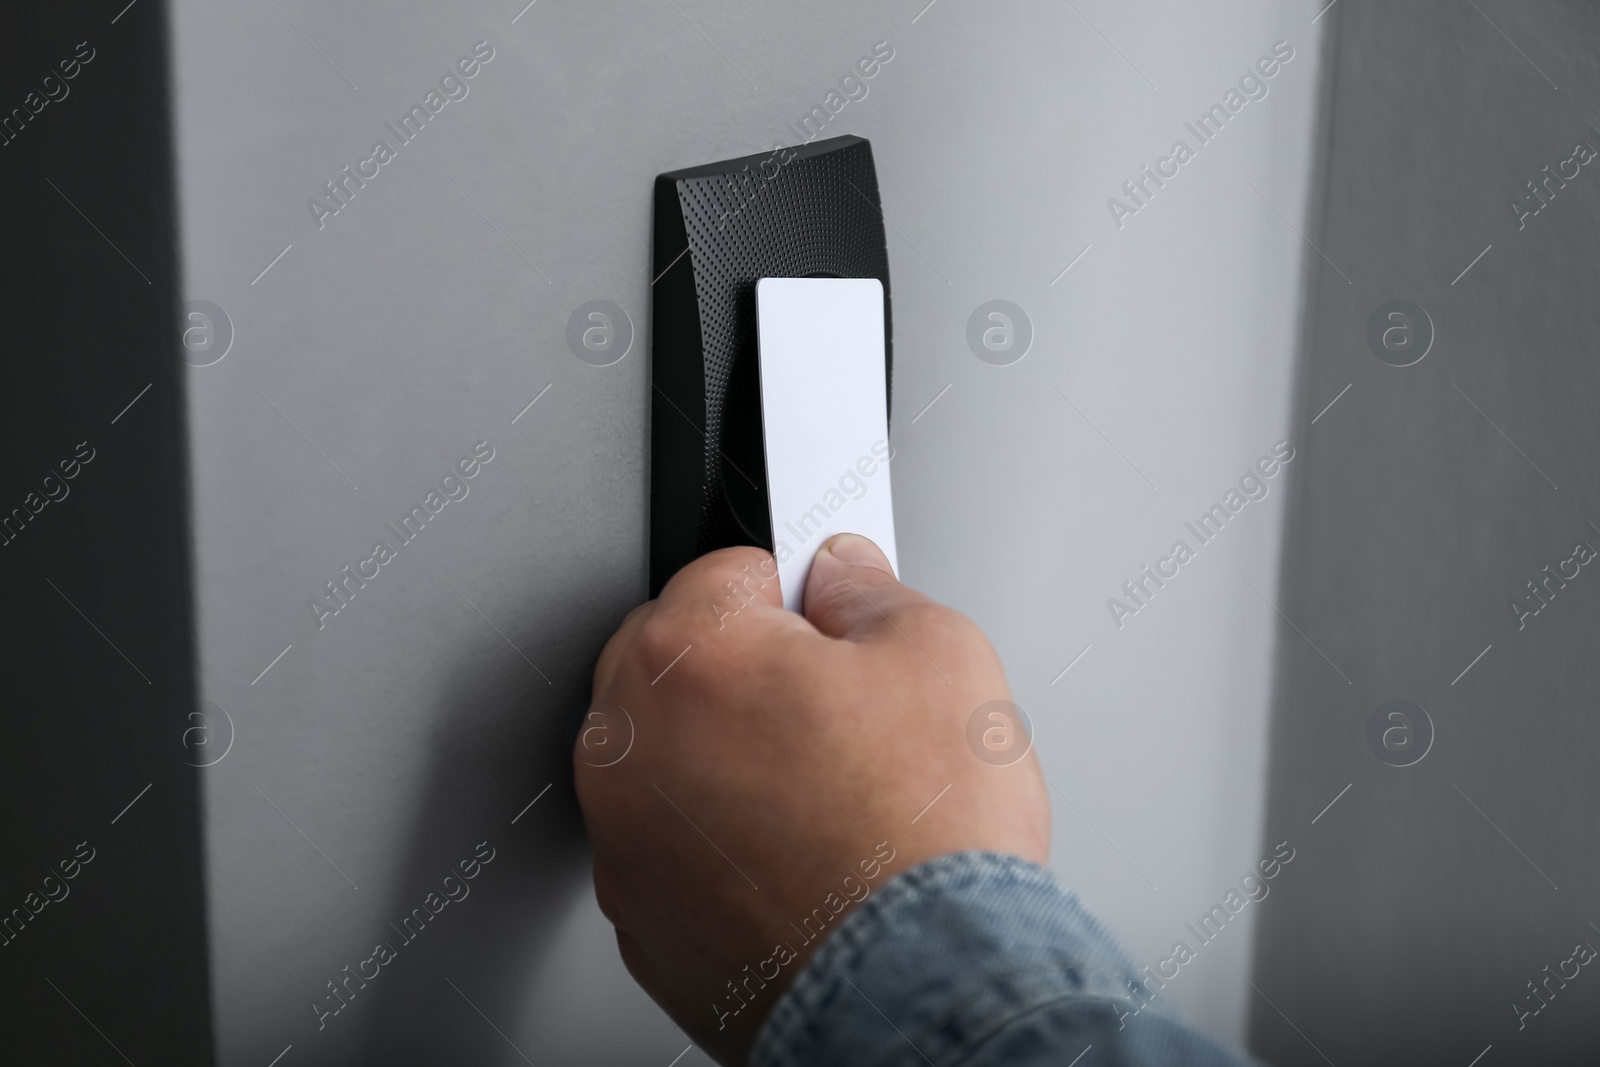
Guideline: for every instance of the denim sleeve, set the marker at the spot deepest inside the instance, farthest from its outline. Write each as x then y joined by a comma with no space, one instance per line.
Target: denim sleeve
977,959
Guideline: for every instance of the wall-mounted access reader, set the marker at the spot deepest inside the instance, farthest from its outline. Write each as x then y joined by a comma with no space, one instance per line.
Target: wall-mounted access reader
816,359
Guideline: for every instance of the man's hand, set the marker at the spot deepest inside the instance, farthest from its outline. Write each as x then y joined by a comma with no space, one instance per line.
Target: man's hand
747,775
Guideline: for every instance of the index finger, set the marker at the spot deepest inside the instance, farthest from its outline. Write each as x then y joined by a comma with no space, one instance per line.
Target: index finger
724,583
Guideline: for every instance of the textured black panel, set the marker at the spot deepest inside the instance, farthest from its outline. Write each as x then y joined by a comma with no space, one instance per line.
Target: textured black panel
811,211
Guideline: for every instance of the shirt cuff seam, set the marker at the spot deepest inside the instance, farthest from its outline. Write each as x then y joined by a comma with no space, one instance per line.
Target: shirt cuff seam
840,955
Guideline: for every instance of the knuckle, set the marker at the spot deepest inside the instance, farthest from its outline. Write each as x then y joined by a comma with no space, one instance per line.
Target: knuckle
839,599
671,652
934,621
656,635
711,570
954,635
741,556
740,577
605,664
610,661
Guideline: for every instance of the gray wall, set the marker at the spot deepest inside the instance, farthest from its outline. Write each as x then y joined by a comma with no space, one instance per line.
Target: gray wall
1424,901
373,354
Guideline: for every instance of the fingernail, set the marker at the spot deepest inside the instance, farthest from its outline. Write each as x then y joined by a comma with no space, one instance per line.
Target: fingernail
857,551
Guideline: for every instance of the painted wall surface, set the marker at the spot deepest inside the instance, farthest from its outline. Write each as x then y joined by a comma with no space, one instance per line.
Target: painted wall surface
374,348
1442,894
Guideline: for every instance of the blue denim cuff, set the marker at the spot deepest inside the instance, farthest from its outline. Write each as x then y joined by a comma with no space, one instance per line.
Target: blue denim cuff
974,958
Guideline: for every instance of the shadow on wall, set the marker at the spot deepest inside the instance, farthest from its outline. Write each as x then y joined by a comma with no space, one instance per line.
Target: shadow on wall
463,944
488,934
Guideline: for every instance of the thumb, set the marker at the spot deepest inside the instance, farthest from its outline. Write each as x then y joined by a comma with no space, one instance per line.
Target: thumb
851,591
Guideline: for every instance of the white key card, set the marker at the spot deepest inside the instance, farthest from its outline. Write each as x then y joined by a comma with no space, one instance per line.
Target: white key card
824,408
